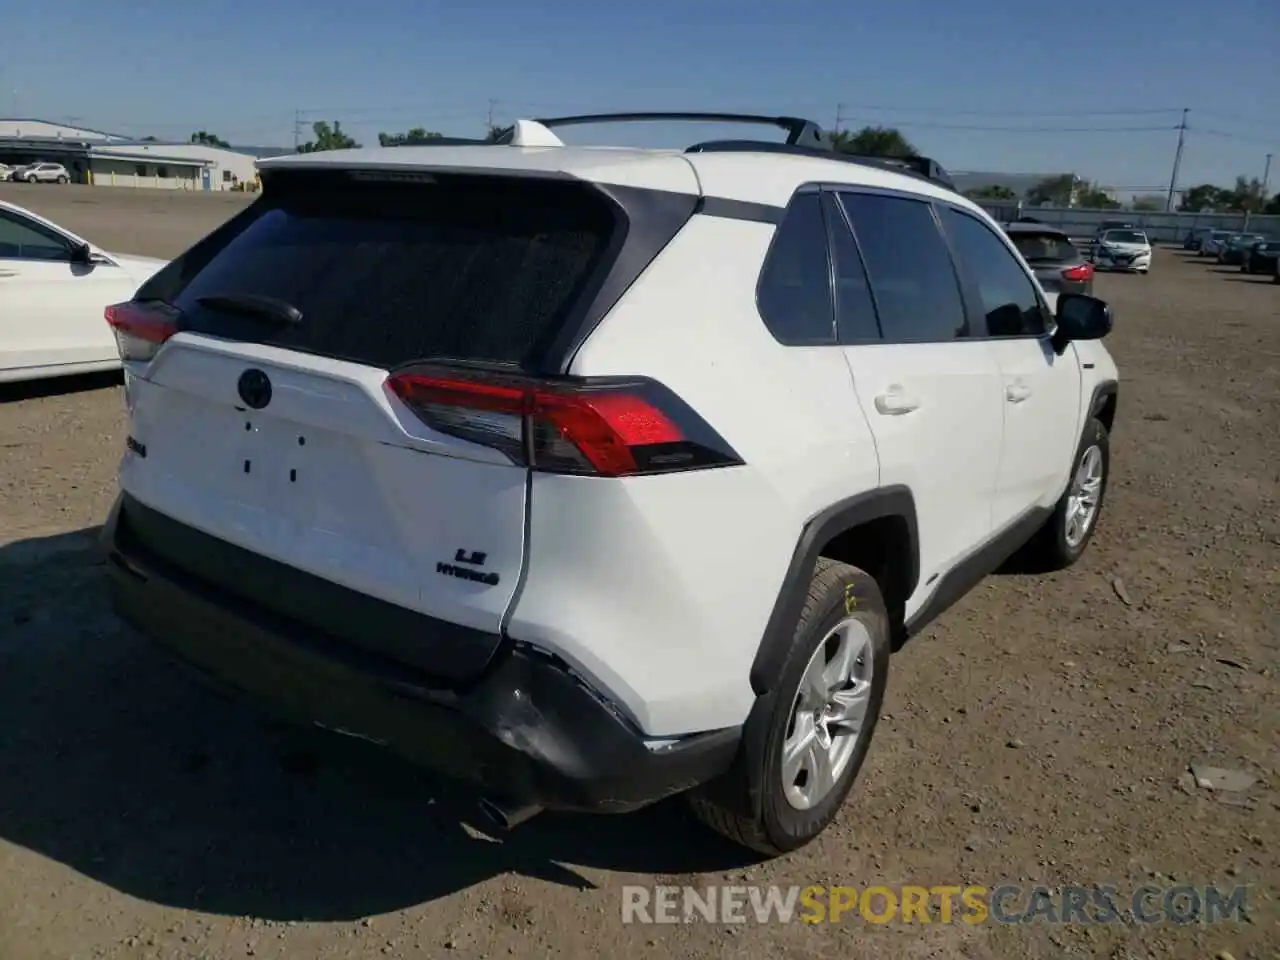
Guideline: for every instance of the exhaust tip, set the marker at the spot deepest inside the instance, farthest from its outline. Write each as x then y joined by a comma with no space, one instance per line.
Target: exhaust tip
507,816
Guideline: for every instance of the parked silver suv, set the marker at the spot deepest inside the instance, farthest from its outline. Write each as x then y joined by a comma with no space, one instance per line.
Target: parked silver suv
45,173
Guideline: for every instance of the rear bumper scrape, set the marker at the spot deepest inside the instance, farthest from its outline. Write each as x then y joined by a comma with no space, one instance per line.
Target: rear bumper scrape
528,730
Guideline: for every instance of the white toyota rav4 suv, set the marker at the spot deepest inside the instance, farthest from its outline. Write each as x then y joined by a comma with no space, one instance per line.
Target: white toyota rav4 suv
594,476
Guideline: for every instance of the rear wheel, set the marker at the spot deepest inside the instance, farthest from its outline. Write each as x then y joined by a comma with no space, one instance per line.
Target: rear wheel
63,180
829,697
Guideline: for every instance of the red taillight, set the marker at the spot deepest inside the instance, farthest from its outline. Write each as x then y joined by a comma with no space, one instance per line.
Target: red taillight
139,329
1078,274
603,428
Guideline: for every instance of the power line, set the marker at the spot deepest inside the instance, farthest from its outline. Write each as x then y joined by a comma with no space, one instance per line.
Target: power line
1240,118
1237,136
1015,113
1003,129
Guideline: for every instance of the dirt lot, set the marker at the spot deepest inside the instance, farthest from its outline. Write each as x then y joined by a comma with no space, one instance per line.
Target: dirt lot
1040,733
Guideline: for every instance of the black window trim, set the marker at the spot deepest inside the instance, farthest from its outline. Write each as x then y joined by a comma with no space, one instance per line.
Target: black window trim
68,245
973,317
1050,324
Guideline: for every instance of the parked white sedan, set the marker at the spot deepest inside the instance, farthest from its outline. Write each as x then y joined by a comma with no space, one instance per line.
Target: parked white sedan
54,287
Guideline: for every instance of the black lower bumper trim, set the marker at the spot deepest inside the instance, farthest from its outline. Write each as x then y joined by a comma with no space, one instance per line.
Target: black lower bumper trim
527,730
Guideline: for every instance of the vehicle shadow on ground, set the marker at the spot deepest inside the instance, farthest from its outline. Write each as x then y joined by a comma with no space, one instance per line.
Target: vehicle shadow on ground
118,763
1250,278
58,386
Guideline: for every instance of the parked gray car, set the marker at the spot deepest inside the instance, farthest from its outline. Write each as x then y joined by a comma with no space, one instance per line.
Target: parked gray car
1058,263
1214,242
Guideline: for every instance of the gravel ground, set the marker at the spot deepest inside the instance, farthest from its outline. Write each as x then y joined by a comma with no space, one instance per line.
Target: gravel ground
1040,733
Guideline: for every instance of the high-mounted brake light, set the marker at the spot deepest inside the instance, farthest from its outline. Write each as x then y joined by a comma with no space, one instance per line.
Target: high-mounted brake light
609,428
1079,273
140,330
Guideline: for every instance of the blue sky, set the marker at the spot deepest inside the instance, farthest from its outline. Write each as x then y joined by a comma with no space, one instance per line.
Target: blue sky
977,84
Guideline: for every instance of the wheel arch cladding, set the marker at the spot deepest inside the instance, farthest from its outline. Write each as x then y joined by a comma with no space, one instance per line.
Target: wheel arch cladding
1104,401
888,510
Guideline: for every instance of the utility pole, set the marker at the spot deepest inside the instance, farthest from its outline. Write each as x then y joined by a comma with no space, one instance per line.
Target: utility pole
1266,177
489,123
297,129
835,129
1177,161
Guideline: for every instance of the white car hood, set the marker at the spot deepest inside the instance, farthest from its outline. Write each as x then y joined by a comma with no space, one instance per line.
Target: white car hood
140,269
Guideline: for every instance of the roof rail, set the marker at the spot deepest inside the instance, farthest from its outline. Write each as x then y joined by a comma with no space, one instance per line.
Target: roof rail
800,132
920,167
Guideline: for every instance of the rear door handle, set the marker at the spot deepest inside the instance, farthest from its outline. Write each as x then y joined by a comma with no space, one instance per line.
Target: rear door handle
8,273
895,401
1017,392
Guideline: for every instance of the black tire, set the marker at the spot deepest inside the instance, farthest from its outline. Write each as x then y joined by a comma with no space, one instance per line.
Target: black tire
777,827
1049,550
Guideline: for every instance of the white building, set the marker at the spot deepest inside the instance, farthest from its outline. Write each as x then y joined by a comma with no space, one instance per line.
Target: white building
113,160
175,166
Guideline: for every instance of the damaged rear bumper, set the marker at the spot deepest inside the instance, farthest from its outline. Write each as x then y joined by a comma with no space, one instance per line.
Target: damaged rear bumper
527,730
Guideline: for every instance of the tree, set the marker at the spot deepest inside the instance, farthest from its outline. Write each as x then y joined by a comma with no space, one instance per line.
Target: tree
496,133
150,139
874,142
1057,190
992,191
208,139
327,138
1273,205
1204,196
1093,197
412,137
1247,195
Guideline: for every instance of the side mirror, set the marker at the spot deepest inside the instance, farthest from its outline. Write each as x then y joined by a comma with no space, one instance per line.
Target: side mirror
1080,317
82,254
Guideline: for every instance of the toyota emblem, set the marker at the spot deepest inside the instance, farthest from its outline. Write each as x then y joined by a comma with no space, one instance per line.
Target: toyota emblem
255,388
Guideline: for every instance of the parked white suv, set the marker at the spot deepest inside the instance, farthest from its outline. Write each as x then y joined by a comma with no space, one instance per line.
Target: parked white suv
594,476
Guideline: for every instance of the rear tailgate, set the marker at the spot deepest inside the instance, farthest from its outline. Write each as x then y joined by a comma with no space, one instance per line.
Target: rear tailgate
325,470
1049,254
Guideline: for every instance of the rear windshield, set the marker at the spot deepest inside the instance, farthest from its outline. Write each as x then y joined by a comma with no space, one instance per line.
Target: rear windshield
1044,246
1125,236
480,268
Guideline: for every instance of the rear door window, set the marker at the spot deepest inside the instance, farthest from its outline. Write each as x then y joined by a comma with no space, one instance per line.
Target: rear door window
912,278
476,268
